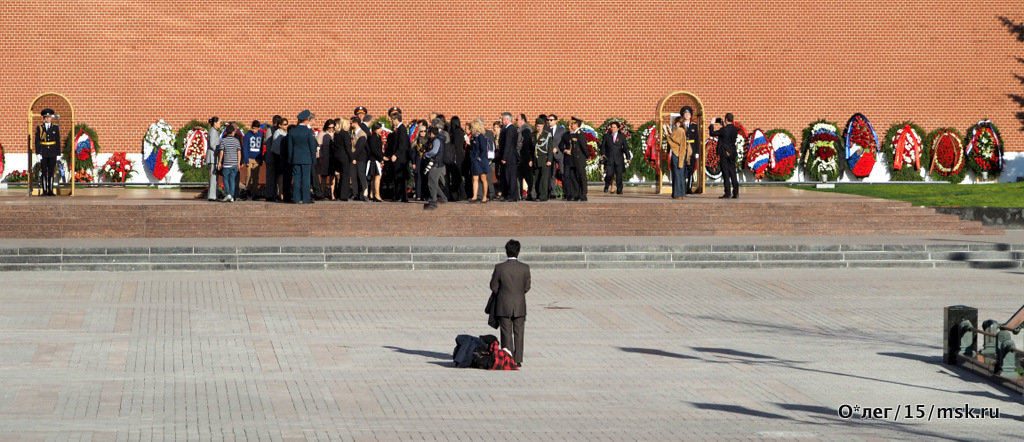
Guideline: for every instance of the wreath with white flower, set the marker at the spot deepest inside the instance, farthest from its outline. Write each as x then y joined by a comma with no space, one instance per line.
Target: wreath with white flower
904,149
822,147
984,148
785,153
193,156
158,149
643,145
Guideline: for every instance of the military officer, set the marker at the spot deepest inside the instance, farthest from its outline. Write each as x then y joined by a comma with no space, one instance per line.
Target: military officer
48,146
693,139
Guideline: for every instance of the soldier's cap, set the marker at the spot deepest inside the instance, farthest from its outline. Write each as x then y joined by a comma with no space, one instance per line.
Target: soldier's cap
578,121
394,110
47,112
541,120
304,115
358,110
686,109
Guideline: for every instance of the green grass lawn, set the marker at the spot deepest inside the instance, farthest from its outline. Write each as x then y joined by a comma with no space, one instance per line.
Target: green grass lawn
937,195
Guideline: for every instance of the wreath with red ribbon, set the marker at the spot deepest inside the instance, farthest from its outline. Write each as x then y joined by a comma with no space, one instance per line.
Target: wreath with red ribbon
904,149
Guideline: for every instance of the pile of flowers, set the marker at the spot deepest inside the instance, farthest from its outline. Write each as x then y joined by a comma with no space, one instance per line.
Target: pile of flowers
3,159
649,138
821,147
947,155
195,147
18,176
713,166
741,145
84,145
592,140
118,169
861,145
158,149
785,154
984,148
83,176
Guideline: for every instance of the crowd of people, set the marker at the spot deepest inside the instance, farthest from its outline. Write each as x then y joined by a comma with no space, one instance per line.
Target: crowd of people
433,160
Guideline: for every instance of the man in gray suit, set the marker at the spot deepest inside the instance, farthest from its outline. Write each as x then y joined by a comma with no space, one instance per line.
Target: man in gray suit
511,281
301,151
213,143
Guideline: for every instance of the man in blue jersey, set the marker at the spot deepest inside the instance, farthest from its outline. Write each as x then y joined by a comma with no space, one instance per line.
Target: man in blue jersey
252,158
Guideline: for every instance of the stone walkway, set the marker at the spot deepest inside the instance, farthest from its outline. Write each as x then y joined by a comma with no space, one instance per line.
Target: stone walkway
610,355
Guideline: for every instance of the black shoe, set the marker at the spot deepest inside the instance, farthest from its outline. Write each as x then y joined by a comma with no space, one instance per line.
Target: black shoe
724,197
605,190
584,199
618,193
735,196
430,206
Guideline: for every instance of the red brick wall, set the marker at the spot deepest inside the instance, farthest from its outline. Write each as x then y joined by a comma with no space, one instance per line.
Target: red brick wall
124,64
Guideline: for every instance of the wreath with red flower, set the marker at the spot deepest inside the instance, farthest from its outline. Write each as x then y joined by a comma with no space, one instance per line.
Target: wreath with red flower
943,145
86,147
821,147
984,148
118,169
3,159
192,170
786,154
861,145
904,149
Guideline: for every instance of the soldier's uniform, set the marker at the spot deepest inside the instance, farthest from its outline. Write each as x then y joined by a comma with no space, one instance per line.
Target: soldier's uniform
47,144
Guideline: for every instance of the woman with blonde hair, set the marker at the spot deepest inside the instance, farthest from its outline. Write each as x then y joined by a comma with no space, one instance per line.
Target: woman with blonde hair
478,165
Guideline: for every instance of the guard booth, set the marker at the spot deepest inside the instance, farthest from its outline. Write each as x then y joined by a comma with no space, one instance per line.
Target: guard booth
65,118
668,110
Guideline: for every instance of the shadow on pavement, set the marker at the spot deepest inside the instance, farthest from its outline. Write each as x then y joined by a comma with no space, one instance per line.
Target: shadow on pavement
424,353
656,352
736,409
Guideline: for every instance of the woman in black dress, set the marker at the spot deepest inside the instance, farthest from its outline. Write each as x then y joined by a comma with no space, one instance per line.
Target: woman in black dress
375,165
323,160
341,160
360,158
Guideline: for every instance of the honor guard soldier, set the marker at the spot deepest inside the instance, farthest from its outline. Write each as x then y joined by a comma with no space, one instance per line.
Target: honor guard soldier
48,147
693,140
360,113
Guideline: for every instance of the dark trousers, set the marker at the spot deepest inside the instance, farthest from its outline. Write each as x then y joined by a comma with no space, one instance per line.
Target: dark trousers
614,170
542,183
270,190
360,182
401,175
343,186
732,184
581,176
679,179
512,333
453,176
511,176
287,177
47,167
570,188
301,175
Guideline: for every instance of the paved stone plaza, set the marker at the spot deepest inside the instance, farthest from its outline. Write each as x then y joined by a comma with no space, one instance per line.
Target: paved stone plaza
610,355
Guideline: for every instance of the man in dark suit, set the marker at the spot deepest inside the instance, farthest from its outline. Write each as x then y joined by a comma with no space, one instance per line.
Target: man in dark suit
301,151
527,155
510,281
727,154
557,132
574,146
539,188
401,154
615,152
509,158
48,146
